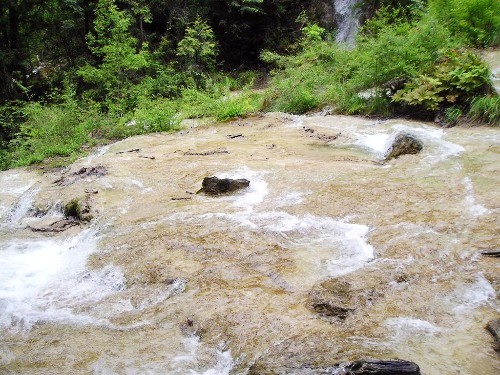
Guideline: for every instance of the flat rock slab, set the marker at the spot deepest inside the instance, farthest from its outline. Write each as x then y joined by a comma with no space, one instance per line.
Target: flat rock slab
84,172
56,226
217,186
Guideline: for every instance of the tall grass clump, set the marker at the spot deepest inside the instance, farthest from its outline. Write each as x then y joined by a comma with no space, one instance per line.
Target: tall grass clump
486,110
49,131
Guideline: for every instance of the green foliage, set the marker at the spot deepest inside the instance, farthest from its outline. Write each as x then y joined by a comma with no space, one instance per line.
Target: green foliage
485,109
154,116
476,21
312,33
198,49
456,79
452,115
238,105
48,132
248,6
120,62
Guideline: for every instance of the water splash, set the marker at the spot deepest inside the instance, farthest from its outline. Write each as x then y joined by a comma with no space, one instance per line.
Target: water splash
45,279
20,208
436,148
404,328
470,200
467,297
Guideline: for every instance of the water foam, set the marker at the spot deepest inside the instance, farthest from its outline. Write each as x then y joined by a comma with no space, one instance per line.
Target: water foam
378,143
470,200
469,296
46,280
224,360
20,208
254,194
346,242
405,327
436,147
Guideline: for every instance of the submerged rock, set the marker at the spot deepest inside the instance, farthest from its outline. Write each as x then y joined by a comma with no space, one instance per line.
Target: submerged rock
332,298
97,171
404,144
216,186
493,327
56,226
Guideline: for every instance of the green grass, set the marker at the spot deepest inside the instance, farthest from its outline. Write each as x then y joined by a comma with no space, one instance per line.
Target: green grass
486,110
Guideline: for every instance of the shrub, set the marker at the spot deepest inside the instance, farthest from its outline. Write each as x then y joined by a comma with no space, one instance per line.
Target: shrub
476,21
458,77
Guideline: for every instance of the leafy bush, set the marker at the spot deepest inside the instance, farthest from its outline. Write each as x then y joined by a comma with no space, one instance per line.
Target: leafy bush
458,77
476,21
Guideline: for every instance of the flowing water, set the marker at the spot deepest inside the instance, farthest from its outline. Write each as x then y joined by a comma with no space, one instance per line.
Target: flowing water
166,281
347,17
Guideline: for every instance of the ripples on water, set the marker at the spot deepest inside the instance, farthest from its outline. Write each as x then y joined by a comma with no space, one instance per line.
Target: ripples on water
47,281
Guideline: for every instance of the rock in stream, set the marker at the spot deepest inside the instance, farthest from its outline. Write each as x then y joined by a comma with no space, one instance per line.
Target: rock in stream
404,144
217,186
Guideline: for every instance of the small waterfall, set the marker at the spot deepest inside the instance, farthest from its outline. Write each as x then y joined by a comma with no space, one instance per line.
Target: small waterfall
347,17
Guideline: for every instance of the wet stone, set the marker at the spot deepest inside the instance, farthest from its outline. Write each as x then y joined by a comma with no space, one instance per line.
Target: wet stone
84,172
217,186
56,226
404,144
493,327
361,367
377,367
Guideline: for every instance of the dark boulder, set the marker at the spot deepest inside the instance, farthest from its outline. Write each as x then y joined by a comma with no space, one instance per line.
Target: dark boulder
493,327
404,144
361,367
376,367
217,186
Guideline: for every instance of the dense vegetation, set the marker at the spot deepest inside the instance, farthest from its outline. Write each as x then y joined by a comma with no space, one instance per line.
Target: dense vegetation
76,73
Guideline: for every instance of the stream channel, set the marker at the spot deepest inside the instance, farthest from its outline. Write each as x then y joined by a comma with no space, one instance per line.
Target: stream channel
166,281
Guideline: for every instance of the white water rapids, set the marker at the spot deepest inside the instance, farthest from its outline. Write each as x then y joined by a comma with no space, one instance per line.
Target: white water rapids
166,281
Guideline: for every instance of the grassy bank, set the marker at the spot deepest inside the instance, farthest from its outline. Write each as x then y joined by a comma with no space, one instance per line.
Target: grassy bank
416,61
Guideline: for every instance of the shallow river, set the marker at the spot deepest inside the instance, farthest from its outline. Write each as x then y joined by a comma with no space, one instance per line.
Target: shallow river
167,281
